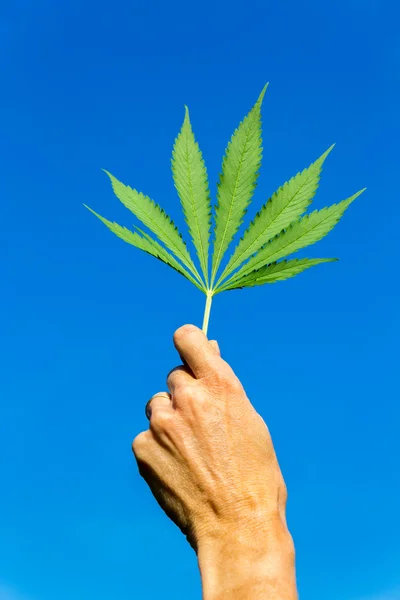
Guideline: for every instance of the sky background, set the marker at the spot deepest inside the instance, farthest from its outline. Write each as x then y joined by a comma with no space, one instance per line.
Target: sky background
87,321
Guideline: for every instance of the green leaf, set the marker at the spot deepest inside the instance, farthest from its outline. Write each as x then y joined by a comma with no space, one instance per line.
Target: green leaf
147,244
237,181
286,205
278,271
302,233
278,230
155,218
190,178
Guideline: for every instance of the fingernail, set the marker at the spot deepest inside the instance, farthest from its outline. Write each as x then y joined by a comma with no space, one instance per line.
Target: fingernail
215,345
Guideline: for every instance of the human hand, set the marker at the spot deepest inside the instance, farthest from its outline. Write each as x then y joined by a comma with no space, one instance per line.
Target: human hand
209,460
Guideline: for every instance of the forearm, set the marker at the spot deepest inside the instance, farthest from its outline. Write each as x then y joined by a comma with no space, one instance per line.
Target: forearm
241,567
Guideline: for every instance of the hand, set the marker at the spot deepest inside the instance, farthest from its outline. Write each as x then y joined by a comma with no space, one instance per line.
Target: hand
209,460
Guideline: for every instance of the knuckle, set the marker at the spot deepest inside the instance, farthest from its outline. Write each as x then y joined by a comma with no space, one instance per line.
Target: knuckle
162,420
175,375
189,393
140,443
201,402
193,398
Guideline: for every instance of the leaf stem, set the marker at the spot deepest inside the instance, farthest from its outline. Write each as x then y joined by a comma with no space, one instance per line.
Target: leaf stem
207,311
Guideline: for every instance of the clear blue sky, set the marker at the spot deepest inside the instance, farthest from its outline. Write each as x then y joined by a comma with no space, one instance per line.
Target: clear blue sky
87,321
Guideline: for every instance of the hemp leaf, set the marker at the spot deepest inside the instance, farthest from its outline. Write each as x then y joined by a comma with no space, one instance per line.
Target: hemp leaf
278,230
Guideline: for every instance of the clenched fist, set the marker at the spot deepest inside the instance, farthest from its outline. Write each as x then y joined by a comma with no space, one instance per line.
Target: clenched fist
209,460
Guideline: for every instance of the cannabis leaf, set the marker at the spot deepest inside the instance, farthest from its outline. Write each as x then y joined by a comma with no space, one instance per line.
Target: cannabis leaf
302,233
237,181
147,244
278,230
273,272
155,218
190,177
286,205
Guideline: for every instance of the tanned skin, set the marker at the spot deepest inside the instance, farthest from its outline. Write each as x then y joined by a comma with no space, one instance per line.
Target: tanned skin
209,460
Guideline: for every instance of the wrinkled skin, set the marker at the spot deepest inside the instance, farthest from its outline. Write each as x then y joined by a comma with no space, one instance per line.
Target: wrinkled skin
208,456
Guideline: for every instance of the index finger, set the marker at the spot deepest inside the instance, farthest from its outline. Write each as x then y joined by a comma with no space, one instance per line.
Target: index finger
195,350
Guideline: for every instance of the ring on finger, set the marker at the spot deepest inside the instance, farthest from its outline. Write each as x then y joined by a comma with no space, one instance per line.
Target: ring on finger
158,395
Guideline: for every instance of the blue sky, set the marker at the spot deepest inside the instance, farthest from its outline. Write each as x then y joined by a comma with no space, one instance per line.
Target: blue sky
86,321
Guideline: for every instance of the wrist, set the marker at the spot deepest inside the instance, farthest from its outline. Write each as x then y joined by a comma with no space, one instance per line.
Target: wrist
242,564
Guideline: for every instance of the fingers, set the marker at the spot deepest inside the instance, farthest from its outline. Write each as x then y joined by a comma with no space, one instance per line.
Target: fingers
161,399
182,375
141,444
196,351
148,453
178,378
161,414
